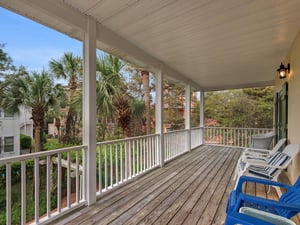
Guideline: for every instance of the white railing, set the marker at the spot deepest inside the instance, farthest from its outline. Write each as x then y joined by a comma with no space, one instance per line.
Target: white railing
231,136
53,180
121,160
175,144
196,137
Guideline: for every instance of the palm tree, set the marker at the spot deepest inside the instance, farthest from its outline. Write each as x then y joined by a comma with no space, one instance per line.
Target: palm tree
123,113
36,91
69,67
109,86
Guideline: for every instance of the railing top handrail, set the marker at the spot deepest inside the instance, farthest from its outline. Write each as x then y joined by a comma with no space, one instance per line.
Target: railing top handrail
196,128
176,131
39,154
126,139
241,128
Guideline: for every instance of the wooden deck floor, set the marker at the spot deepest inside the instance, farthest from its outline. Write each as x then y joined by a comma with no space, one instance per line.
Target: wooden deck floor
192,189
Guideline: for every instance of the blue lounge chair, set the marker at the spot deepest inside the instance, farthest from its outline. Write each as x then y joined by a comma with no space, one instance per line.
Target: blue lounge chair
287,206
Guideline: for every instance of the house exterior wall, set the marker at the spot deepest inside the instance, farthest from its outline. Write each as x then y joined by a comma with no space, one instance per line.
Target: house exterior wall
25,121
9,127
293,79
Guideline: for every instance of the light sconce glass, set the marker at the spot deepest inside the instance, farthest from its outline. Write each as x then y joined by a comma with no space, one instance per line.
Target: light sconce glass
283,71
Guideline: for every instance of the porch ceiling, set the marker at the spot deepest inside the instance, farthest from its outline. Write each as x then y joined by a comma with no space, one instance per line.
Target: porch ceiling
210,44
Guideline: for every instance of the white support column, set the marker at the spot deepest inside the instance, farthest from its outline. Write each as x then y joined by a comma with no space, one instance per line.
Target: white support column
159,109
202,116
188,116
89,110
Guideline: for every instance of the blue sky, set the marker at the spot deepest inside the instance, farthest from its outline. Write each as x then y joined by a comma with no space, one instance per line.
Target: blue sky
31,44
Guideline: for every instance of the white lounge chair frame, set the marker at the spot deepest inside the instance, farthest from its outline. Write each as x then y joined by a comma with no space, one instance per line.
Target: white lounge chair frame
290,150
252,153
256,156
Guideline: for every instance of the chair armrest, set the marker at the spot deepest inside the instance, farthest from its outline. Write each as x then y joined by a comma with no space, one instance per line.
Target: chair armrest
256,163
265,202
255,154
252,160
258,150
244,179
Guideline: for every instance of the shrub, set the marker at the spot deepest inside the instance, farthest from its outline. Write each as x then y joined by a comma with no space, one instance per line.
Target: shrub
25,141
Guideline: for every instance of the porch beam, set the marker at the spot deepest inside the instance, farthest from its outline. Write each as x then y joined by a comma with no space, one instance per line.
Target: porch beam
89,110
188,116
159,109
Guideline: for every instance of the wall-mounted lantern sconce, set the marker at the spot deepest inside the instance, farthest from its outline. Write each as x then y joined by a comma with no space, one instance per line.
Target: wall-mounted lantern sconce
283,71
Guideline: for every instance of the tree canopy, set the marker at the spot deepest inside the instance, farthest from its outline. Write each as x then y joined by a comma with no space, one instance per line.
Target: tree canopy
121,101
36,91
251,107
5,61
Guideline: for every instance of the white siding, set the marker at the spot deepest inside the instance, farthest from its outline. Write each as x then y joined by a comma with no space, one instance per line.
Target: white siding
293,80
9,128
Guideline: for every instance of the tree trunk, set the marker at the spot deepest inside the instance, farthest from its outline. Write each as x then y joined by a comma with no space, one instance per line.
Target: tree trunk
38,115
123,114
37,138
57,125
146,88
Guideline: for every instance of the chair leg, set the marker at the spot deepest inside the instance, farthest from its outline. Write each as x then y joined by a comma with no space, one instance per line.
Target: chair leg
238,170
278,190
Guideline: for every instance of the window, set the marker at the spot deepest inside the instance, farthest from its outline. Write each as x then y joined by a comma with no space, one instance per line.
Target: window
1,145
8,144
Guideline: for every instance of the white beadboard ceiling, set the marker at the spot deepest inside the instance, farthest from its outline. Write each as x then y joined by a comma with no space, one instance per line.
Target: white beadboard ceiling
210,44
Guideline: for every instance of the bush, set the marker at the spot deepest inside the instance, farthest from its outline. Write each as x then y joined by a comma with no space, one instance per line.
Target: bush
25,141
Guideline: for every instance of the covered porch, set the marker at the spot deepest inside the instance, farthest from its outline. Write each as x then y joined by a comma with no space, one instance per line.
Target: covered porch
207,46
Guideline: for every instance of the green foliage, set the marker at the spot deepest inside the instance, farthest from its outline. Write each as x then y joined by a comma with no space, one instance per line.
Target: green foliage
195,111
137,117
53,144
25,141
16,194
241,108
36,91
174,105
5,61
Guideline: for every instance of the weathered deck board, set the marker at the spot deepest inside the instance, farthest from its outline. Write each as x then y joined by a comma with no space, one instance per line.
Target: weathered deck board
172,193
192,189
